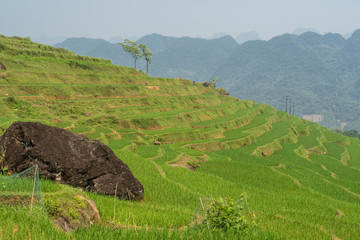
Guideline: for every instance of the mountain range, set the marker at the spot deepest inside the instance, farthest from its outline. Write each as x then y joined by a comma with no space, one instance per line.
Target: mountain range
319,73
183,57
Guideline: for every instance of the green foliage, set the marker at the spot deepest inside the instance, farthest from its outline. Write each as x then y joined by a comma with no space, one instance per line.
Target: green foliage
133,49
4,170
350,133
64,204
193,164
2,47
78,64
222,92
147,54
228,214
213,81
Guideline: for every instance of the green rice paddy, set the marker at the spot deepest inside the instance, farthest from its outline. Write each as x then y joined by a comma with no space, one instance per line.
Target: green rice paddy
302,181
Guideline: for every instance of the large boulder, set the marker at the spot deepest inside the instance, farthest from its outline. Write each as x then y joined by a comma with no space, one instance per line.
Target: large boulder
68,158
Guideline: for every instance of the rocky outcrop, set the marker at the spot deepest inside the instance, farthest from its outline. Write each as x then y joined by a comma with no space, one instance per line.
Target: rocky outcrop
70,212
68,158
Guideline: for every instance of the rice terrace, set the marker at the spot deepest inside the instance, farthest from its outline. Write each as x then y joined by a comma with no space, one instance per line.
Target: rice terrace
195,150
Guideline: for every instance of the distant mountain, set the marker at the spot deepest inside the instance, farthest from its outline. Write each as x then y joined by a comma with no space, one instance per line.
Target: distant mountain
320,73
97,48
115,39
300,31
348,35
183,57
218,35
247,36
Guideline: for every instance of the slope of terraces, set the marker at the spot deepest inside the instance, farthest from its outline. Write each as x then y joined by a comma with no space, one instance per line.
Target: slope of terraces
183,140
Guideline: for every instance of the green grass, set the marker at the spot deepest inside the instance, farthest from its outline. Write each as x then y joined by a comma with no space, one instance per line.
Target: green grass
307,186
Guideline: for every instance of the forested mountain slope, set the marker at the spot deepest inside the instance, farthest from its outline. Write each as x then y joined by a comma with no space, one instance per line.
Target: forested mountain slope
319,73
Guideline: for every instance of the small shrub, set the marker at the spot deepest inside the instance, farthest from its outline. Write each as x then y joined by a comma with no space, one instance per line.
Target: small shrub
222,92
76,64
64,205
194,164
228,214
11,100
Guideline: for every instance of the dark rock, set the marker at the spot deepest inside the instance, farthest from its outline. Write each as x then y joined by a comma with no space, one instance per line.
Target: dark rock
2,66
68,158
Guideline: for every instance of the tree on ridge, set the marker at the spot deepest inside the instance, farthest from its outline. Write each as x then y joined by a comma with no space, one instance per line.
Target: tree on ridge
147,55
132,48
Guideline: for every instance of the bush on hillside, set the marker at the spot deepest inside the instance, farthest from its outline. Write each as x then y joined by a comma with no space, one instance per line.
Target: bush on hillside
228,214
222,92
77,64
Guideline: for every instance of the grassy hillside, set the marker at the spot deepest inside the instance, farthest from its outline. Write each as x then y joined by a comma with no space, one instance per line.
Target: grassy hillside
318,72
302,181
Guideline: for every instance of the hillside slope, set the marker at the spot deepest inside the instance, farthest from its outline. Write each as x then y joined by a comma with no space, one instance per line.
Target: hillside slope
318,72
302,181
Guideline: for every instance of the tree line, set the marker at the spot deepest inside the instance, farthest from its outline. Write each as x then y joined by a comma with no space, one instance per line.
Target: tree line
350,133
137,51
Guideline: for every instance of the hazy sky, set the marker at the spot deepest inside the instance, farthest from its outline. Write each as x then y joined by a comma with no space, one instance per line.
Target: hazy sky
126,18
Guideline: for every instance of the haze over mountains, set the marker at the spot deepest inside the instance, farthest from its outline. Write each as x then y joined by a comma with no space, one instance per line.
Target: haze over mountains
320,73
185,57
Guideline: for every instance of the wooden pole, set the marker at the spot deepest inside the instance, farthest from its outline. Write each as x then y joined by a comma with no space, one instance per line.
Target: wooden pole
293,109
33,192
115,200
290,106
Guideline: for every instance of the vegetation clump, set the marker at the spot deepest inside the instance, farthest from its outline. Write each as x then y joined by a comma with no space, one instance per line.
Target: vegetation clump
70,211
350,133
228,214
137,51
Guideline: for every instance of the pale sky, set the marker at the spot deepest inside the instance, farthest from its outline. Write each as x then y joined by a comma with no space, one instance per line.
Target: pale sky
126,18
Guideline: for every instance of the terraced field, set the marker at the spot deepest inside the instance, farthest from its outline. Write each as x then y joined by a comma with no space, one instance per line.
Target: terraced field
183,141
